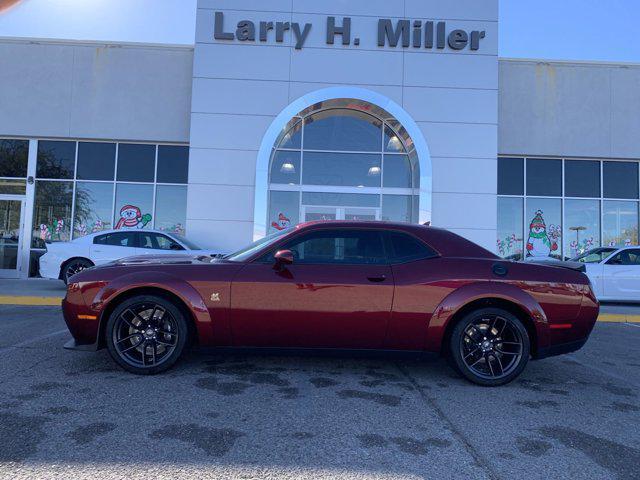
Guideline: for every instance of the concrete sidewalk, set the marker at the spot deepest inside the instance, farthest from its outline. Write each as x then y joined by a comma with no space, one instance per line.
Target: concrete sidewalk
39,291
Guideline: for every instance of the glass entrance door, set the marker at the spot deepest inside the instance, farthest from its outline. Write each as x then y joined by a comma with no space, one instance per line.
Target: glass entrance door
312,213
11,220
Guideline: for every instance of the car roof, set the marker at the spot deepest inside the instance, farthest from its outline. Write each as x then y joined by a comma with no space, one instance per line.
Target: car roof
91,236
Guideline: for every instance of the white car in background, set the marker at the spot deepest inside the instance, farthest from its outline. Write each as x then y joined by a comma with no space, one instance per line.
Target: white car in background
614,272
64,259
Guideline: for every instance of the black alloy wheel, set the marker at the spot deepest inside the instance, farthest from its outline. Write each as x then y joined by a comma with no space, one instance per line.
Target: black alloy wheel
490,347
75,266
146,334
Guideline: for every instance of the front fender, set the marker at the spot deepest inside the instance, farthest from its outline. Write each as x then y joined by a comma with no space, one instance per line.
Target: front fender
162,281
463,296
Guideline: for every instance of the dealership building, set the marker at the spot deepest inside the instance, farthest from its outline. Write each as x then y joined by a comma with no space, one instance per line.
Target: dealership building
292,110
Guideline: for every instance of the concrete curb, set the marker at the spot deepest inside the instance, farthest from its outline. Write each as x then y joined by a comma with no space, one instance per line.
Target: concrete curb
618,318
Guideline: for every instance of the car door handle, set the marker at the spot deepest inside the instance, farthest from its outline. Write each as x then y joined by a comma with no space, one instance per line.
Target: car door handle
378,279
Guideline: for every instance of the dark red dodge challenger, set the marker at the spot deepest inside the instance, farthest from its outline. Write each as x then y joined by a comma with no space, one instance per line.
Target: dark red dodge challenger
336,285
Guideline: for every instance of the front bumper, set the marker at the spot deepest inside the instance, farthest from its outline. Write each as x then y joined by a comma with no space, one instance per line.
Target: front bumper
74,345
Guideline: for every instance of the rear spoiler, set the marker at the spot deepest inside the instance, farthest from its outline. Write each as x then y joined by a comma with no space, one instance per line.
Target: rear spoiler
552,262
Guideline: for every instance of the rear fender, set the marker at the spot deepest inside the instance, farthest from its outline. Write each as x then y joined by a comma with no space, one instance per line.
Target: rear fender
456,301
161,281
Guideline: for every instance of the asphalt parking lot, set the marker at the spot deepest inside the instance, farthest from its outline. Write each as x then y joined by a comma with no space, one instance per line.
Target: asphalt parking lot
70,414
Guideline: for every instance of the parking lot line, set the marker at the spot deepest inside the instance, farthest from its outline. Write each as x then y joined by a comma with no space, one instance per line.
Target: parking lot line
618,318
25,300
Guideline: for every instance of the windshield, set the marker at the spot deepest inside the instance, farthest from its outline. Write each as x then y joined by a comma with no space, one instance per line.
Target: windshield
187,243
249,250
594,256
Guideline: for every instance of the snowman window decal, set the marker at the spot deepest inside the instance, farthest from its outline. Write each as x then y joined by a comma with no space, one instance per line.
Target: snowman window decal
282,222
131,217
542,241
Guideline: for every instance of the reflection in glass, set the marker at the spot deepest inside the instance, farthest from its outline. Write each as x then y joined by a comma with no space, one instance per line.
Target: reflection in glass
620,180
543,231
292,138
9,233
544,177
96,161
392,142
397,171
173,164
285,167
284,210
52,212
510,221
136,162
94,201
581,226
342,130
340,199
619,223
13,186
342,169
171,208
134,206
14,155
56,159
397,208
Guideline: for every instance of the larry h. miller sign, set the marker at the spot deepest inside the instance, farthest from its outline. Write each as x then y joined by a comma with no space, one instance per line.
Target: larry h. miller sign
405,33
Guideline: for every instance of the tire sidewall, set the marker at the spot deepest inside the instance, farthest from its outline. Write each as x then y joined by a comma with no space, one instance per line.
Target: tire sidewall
461,366
65,270
181,322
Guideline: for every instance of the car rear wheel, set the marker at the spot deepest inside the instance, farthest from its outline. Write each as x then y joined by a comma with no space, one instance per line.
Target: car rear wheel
490,347
146,334
74,266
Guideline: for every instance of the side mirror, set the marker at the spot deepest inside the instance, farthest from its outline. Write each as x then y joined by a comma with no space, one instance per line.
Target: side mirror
283,258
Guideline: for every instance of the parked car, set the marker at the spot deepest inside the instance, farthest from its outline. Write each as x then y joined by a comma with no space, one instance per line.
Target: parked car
337,285
64,259
594,255
614,273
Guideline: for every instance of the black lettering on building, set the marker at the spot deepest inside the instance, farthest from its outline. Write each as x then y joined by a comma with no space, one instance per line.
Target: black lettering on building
458,39
246,31
218,29
387,32
301,36
281,27
333,30
264,28
475,39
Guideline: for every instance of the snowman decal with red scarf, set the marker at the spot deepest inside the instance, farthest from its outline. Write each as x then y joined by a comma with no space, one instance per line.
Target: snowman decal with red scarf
131,217
540,243
282,222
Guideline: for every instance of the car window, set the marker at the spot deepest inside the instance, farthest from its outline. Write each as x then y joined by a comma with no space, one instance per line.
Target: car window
594,256
402,248
118,239
349,247
157,241
625,257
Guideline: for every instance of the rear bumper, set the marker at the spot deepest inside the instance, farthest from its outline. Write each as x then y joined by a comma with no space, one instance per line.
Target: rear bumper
560,349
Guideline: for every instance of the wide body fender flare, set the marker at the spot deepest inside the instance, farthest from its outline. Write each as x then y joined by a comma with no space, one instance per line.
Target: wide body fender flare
457,300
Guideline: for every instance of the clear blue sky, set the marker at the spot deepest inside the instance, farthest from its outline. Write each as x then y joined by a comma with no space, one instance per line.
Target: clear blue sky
555,29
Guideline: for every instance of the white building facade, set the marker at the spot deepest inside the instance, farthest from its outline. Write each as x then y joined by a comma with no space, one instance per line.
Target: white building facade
294,110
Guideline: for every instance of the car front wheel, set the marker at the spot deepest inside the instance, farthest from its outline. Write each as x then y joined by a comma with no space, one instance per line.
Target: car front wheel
75,266
146,334
490,347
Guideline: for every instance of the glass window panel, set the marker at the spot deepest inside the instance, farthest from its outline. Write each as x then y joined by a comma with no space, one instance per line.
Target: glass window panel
543,227
121,239
96,161
56,159
92,213
341,199
157,242
581,226
14,155
13,186
284,210
405,248
285,167
619,223
52,212
625,257
510,224
620,180
134,206
581,178
510,176
136,162
173,164
397,208
292,138
544,177
10,232
339,246
342,169
397,171
171,208
392,142
342,130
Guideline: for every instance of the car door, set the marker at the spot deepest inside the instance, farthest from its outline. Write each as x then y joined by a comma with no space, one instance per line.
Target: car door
621,275
336,294
113,246
152,243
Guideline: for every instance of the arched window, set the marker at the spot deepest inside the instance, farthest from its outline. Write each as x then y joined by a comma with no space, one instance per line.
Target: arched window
342,160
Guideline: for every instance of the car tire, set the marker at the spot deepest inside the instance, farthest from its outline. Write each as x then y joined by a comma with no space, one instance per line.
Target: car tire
146,334
489,347
73,266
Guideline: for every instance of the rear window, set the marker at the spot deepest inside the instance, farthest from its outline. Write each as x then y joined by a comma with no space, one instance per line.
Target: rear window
404,248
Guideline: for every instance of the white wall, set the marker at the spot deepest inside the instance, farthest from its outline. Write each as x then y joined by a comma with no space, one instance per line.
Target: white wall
240,87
